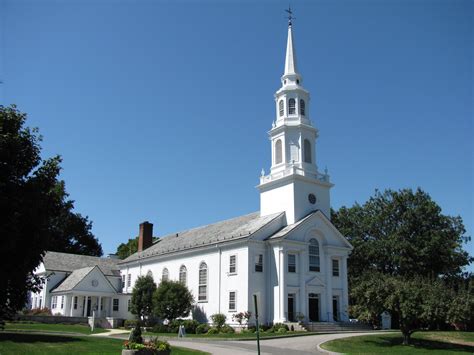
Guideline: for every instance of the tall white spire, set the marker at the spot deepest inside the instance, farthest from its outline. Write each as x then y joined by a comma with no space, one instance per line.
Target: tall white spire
290,59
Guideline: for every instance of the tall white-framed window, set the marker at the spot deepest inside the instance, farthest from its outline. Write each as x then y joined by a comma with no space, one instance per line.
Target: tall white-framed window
335,267
129,280
149,273
202,292
75,302
233,264
291,263
54,302
278,152
123,281
183,275
259,263
313,252
62,302
232,301
307,151
302,107
291,106
281,108
165,275
115,305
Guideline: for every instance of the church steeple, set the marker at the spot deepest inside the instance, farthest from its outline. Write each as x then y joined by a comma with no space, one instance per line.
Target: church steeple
293,172
291,75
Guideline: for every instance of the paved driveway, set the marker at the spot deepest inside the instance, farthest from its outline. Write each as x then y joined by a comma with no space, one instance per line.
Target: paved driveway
301,345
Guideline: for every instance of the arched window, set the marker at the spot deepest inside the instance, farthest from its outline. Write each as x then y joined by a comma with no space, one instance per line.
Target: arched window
302,107
313,252
183,274
149,273
202,293
280,108
307,151
278,152
291,106
165,275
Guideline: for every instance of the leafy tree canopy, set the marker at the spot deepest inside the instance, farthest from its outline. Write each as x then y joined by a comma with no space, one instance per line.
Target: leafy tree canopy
403,233
124,250
142,297
171,300
36,213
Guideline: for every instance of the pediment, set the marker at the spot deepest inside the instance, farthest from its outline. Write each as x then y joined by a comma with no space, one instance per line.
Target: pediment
315,281
95,281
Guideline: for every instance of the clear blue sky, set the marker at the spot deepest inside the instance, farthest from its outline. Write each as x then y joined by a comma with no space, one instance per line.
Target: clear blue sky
160,109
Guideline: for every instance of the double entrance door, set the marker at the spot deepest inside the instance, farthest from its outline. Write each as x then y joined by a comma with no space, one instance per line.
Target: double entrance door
313,307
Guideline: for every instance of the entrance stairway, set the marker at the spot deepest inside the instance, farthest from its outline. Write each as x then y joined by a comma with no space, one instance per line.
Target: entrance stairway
334,327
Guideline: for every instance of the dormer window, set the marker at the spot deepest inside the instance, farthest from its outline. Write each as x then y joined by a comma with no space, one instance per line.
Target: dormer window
280,108
302,107
291,106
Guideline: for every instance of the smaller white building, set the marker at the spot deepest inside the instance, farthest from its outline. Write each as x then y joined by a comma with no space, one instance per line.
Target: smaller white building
76,285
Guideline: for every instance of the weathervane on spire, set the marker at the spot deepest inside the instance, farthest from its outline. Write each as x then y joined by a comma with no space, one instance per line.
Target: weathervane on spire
290,15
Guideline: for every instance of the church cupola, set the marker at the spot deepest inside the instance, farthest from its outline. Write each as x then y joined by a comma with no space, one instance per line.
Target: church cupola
293,145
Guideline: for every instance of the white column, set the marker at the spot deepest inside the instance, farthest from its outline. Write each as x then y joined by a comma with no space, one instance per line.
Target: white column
345,290
302,271
85,305
329,315
71,305
283,295
99,312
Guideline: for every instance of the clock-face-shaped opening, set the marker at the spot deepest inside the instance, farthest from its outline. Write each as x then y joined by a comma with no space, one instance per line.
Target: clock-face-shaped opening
312,199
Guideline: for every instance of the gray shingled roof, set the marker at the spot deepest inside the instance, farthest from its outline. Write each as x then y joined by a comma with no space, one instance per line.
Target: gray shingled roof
284,231
72,280
231,229
55,261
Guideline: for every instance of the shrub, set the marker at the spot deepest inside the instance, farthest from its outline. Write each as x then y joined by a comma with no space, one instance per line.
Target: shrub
190,326
173,326
278,326
281,331
161,328
292,329
136,336
202,329
130,323
218,320
39,312
252,328
227,329
213,331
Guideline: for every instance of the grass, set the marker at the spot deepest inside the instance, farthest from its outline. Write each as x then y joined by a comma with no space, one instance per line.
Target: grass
58,328
421,343
233,336
35,344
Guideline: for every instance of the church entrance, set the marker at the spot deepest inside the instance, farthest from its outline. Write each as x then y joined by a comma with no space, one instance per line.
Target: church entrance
313,306
291,307
89,313
335,308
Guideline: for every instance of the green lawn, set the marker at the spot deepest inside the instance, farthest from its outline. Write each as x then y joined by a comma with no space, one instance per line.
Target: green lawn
236,336
43,327
21,343
422,343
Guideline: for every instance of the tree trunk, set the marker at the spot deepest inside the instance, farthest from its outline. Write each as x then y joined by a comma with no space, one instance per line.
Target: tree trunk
406,338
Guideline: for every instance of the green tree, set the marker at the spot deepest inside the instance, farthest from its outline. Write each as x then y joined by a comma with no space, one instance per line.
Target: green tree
403,233
124,250
36,212
171,300
142,297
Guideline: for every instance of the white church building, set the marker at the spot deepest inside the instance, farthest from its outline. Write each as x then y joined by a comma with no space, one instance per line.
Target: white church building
289,253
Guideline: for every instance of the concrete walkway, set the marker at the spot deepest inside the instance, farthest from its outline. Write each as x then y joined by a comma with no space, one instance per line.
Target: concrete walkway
111,332
300,345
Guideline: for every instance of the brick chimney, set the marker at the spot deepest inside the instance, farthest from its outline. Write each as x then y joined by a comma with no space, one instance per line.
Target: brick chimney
145,237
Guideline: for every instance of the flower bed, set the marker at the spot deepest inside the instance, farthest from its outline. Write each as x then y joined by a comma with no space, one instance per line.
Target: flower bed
152,347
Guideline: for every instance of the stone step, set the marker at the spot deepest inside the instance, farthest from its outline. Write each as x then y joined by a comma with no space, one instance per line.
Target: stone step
336,327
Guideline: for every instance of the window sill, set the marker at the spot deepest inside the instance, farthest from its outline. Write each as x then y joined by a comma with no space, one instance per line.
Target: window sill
231,273
203,301
232,311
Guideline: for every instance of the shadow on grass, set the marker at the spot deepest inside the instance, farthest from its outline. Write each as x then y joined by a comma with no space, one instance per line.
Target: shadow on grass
35,338
388,342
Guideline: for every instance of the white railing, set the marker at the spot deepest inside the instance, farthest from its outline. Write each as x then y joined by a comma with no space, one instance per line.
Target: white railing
294,170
